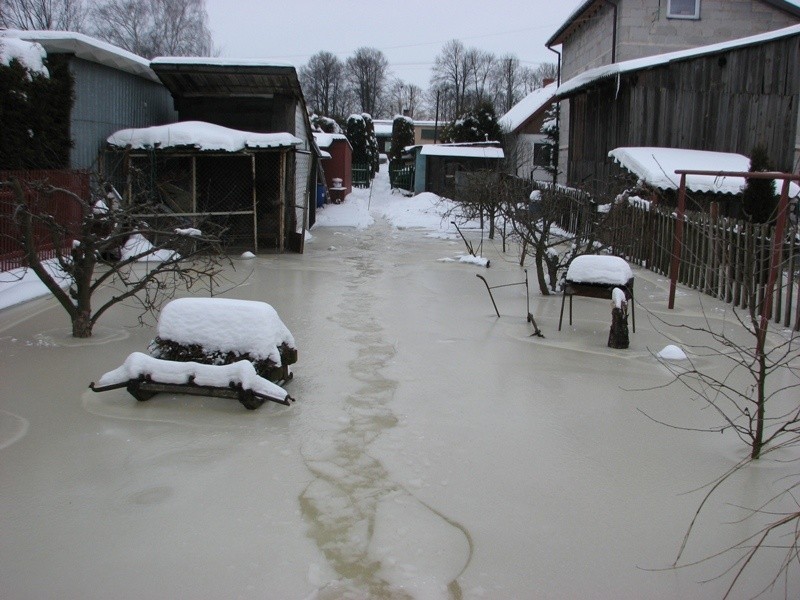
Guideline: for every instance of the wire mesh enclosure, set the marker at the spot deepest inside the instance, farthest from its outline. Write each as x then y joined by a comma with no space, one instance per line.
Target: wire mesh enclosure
245,194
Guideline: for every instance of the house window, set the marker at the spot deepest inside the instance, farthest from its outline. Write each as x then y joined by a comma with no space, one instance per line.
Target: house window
542,154
683,9
428,134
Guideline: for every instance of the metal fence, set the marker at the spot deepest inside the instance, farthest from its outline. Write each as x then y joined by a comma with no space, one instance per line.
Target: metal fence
61,206
401,176
362,174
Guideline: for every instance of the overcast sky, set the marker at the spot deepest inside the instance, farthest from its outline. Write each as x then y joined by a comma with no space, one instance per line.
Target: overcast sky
409,32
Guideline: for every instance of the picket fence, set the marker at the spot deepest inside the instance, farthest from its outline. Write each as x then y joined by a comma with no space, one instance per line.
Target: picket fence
722,257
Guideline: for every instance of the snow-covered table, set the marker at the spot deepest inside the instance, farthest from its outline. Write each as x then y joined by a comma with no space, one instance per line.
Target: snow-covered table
595,276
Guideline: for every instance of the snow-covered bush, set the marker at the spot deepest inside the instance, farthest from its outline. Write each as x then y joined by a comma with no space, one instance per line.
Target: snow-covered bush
221,331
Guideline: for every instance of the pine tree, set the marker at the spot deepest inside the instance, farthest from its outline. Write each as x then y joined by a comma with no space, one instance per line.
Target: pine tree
759,201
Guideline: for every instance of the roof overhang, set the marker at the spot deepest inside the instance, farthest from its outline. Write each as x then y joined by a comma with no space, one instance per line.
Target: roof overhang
208,78
656,167
579,16
89,49
607,72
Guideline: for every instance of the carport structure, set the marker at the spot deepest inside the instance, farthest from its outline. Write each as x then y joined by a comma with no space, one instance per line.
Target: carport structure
262,186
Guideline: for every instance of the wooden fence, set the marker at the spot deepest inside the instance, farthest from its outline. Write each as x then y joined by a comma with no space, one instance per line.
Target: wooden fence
63,208
722,257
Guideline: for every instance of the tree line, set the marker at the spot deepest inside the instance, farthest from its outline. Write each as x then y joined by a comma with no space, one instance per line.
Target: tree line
148,28
462,79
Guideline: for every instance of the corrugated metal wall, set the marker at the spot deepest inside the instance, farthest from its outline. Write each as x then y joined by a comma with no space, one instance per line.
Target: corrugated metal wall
107,100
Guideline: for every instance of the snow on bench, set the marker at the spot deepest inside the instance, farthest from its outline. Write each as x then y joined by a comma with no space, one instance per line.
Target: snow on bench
145,376
594,276
605,270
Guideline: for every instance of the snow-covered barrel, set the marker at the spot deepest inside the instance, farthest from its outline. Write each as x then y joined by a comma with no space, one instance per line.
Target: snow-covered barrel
222,331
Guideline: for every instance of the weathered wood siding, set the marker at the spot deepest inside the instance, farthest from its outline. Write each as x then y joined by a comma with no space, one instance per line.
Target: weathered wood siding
727,102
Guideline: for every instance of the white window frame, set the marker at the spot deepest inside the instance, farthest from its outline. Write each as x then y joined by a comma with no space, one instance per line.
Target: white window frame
695,16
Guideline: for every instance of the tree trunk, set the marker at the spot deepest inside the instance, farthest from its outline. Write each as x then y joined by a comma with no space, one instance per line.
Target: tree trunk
758,437
618,336
82,325
540,260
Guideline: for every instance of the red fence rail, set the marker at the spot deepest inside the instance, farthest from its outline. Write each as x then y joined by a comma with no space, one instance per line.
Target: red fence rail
62,206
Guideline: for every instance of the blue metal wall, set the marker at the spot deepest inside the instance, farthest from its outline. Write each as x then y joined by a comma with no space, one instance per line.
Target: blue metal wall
107,100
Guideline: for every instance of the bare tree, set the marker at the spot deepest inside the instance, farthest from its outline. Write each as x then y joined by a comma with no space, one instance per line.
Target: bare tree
367,72
105,255
322,79
451,72
67,15
481,65
403,98
153,28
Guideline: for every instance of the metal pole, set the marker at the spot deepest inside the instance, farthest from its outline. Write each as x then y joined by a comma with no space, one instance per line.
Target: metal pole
677,242
255,203
777,244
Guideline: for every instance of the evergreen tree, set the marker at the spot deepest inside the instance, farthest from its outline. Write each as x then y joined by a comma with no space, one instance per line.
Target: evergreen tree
373,154
478,125
35,112
759,201
402,136
357,136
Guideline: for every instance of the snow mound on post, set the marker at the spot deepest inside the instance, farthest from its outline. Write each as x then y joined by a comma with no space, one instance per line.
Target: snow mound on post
618,297
166,371
226,325
599,269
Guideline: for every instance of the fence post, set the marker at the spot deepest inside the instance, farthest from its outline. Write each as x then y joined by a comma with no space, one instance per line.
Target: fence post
676,243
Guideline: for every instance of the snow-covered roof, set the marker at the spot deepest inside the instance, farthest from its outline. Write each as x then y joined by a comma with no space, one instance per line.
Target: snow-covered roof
383,127
656,167
462,151
87,48
527,107
199,135
218,62
30,55
615,69
325,140
592,268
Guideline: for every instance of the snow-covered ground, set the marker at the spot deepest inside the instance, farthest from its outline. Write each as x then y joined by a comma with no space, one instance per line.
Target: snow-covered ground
434,451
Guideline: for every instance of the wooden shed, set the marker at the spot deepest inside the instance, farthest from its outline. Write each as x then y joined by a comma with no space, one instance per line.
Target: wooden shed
437,166
728,97
258,97
338,165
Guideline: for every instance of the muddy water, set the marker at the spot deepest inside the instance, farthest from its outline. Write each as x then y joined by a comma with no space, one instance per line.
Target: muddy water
350,486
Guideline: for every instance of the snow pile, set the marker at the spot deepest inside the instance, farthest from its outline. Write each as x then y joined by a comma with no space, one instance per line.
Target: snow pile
671,352
353,212
190,231
425,211
199,135
618,298
226,325
599,269
166,371
22,284
29,54
137,244
247,255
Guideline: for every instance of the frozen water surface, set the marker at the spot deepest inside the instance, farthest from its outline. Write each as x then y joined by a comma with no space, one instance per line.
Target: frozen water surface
435,451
